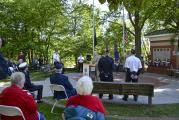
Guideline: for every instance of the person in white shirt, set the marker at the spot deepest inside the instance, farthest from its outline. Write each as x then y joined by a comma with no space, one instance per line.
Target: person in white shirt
56,57
133,68
80,63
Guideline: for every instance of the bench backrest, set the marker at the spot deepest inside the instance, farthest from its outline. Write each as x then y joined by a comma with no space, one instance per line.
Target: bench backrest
145,89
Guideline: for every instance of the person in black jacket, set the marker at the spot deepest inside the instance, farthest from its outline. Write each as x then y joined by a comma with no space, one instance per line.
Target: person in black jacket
28,84
3,62
105,66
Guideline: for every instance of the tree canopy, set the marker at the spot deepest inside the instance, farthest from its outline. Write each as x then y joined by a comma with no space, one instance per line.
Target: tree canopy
38,27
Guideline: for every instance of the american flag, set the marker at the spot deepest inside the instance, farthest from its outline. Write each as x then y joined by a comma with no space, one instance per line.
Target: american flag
125,36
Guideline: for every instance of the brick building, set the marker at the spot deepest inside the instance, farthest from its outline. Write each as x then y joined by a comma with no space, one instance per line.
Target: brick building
164,51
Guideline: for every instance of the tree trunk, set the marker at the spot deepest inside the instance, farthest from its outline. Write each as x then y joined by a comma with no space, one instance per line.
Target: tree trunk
177,28
137,35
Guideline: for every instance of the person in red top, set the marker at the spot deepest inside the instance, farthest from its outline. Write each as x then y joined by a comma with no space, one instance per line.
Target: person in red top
16,96
84,97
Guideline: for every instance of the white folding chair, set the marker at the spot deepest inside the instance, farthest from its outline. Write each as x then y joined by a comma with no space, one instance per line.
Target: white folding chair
11,111
55,87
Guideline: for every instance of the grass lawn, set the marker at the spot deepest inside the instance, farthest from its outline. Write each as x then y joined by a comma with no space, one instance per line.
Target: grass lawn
45,109
34,76
166,110
39,75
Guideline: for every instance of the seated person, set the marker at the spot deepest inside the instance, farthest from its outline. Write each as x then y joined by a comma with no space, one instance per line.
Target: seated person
16,96
60,79
28,84
84,101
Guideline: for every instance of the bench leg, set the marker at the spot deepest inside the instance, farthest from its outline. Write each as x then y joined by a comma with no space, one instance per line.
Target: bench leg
149,100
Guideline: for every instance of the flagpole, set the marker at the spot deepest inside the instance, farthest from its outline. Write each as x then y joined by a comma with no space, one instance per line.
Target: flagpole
123,29
93,27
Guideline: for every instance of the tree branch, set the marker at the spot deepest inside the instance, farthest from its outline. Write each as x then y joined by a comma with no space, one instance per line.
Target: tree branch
130,31
130,18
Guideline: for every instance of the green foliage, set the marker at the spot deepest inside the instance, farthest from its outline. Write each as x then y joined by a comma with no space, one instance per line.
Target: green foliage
139,11
22,23
167,16
114,35
37,27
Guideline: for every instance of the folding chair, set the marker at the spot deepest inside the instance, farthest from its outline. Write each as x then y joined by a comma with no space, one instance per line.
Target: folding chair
11,111
55,87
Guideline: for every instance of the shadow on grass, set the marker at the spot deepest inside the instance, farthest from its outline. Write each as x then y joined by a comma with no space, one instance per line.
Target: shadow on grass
113,110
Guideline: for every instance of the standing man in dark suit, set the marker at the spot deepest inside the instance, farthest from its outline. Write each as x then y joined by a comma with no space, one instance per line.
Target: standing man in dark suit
28,84
133,68
105,66
61,79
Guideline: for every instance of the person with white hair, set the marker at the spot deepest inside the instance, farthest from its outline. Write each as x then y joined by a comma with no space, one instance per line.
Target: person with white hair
16,96
85,100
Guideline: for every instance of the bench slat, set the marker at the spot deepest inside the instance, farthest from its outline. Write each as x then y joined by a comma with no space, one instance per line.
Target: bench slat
145,89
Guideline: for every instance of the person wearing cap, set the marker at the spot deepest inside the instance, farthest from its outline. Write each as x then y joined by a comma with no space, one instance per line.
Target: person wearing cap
28,84
14,95
60,79
133,68
105,66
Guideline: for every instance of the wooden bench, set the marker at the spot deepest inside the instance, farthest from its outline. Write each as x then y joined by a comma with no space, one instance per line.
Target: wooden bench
176,74
145,89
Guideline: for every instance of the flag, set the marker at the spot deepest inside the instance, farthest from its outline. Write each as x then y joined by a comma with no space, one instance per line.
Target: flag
125,36
94,37
116,53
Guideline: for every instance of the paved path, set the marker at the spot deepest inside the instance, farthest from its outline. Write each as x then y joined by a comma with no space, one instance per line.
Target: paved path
166,94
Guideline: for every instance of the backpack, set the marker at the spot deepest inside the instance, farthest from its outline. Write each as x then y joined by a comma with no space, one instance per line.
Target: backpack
81,113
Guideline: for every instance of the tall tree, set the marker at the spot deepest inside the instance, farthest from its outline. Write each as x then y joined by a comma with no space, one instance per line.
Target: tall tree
23,21
138,11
